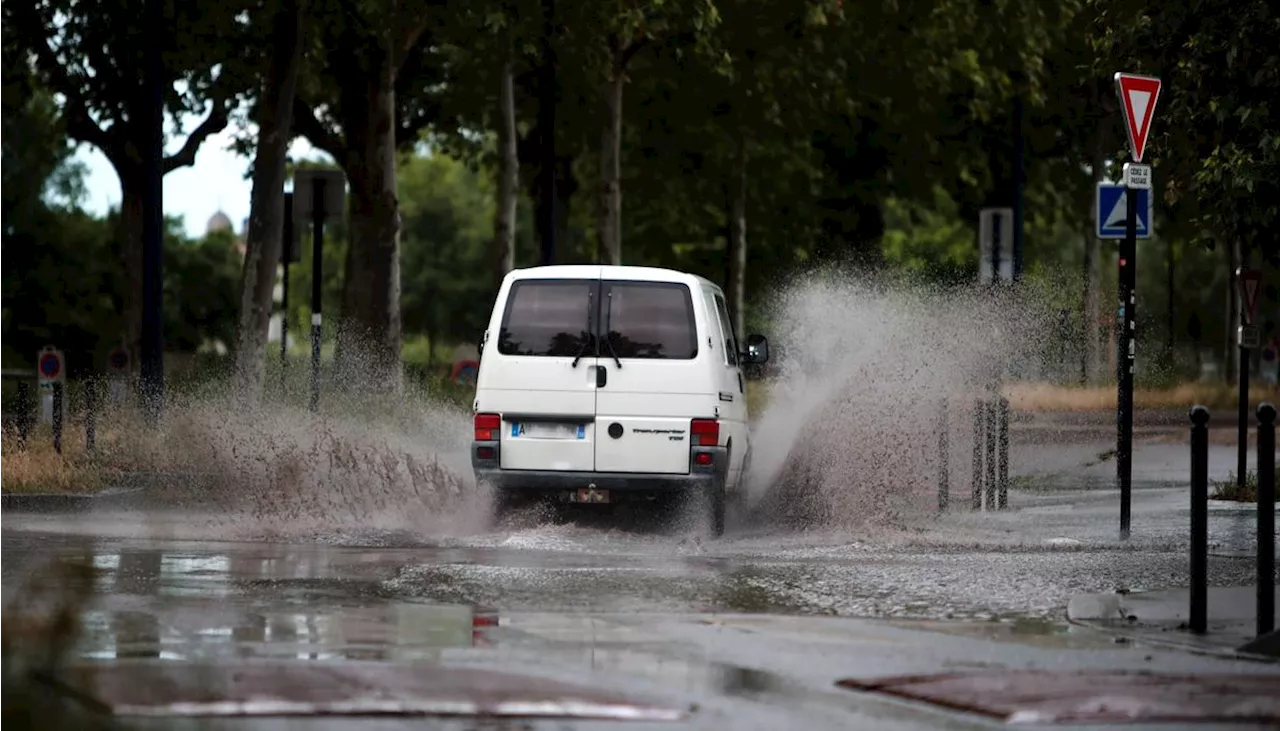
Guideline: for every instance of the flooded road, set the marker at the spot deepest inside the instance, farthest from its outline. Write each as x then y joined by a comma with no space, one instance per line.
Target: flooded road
751,630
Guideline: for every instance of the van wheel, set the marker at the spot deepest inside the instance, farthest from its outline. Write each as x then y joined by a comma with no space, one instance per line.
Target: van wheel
716,508
503,503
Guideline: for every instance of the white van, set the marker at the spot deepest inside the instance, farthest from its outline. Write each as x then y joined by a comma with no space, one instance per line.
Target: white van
599,384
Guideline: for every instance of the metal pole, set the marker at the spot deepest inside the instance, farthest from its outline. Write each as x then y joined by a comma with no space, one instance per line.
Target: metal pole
944,458
91,416
1017,188
1199,518
1266,621
1002,497
287,256
977,453
1242,422
990,418
25,417
1124,359
153,223
317,277
57,417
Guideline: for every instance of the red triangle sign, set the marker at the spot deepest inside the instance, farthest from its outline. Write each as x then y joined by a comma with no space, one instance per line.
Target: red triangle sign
1250,280
1138,95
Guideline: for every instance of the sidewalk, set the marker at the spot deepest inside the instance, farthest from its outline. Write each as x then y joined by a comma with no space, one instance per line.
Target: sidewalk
1160,618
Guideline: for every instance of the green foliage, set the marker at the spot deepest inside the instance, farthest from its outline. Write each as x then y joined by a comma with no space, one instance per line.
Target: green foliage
201,292
929,239
447,226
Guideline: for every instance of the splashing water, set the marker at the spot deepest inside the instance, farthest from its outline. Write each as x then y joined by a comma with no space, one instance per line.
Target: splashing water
850,438
366,464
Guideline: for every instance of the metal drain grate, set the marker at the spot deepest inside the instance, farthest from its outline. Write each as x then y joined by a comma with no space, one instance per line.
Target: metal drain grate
1102,696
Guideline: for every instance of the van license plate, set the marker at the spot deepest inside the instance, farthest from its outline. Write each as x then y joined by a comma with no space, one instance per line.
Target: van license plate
589,495
547,430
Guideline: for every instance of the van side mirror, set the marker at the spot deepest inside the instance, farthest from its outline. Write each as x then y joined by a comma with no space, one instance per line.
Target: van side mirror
757,349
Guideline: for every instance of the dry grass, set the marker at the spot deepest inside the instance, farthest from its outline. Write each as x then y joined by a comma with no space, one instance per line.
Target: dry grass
1230,489
1045,397
38,468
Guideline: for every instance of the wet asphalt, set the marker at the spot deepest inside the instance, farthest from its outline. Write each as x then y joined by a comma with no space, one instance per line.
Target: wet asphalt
748,631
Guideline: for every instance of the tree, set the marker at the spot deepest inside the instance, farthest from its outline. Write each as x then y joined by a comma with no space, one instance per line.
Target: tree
369,92
266,213
88,52
1213,143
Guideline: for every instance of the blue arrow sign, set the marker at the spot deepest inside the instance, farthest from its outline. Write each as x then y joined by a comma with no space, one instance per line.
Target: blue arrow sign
1111,211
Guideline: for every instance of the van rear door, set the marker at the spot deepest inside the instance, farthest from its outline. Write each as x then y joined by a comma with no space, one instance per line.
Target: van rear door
543,376
644,407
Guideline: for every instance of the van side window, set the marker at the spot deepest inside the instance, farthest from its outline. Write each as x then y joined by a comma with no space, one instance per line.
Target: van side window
730,338
549,318
648,320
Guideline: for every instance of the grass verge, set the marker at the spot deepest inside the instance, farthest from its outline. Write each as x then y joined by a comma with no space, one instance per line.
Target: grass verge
38,468
1229,489
1047,397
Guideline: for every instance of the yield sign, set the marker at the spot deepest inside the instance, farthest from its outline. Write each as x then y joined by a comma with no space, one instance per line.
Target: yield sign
1138,95
1249,281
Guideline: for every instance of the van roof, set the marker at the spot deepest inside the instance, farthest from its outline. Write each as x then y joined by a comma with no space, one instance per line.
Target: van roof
592,271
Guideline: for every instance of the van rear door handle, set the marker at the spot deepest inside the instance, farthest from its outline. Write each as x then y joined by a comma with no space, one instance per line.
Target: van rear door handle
602,376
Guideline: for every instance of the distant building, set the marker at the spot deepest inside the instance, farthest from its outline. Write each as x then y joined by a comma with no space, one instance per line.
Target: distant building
218,222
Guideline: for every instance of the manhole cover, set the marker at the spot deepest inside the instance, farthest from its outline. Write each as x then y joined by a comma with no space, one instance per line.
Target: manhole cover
1040,696
349,688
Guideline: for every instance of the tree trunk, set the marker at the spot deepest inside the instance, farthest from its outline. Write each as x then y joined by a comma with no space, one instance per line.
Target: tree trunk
369,339
610,226
266,213
566,186
504,225
132,188
736,289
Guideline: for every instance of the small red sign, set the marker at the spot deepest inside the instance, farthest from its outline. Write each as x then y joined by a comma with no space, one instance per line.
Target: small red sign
1249,281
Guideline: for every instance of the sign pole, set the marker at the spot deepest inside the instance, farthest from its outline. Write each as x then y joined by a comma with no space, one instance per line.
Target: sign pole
317,272
286,258
1138,97
1124,361
1247,337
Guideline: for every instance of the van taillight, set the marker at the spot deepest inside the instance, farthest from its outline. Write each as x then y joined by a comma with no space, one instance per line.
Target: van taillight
487,426
704,433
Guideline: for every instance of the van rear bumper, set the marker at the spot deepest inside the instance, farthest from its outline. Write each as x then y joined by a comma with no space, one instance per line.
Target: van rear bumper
699,477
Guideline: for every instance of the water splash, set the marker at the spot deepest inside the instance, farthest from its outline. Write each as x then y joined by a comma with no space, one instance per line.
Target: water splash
850,437
366,463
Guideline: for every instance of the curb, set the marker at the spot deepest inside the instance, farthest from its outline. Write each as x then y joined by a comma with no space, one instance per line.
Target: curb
62,502
1229,653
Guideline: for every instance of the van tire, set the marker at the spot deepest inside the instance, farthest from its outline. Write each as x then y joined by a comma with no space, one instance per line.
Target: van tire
716,508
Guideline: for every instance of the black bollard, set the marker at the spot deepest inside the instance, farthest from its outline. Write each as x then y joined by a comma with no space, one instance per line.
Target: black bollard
1199,518
977,453
57,417
944,458
25,416
1266,518
1002,499
90,416
991,454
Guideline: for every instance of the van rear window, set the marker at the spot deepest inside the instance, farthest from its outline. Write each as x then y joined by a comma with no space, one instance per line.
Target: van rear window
548,317
649,320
